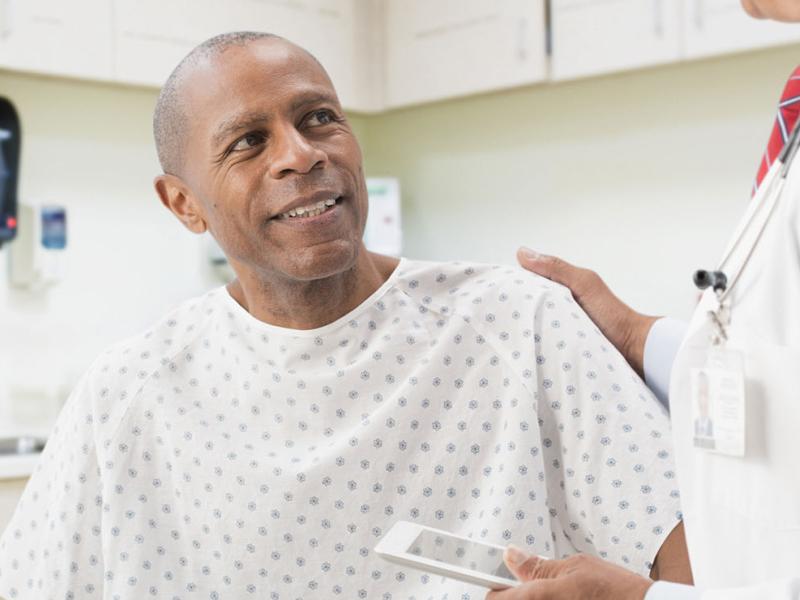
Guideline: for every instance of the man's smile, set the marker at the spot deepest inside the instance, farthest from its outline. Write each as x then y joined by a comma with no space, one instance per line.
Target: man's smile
321,212
312,210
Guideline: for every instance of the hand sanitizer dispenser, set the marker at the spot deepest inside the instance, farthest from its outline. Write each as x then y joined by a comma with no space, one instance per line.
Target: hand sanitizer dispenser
38,254
9,170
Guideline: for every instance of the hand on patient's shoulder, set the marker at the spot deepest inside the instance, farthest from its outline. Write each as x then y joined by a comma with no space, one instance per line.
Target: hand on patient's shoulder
575,578
623,326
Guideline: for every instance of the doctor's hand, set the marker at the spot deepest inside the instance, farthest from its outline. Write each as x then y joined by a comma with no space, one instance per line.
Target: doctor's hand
623,326
579,577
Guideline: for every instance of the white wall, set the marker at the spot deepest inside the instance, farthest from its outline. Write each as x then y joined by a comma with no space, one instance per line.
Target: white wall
88,147
640,175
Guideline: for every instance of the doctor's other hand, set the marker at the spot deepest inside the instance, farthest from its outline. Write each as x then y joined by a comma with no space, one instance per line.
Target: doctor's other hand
623,326
579,577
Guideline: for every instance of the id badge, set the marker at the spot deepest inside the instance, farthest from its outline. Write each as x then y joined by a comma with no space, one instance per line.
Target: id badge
718,403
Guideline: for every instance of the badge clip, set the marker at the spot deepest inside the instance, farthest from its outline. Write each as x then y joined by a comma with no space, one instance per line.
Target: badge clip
721,317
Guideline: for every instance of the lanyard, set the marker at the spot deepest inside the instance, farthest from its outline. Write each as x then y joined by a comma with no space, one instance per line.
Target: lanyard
763,204
719,407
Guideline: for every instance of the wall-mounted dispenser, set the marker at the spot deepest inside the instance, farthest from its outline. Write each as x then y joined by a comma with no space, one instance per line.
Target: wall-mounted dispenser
9,170
38,254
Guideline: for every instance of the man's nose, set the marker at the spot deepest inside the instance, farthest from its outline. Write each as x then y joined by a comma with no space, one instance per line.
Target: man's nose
293,153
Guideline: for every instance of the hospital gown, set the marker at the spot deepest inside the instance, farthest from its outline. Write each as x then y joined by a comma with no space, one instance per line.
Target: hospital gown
217,456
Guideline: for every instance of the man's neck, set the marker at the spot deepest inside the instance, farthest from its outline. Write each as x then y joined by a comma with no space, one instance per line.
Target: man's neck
313,304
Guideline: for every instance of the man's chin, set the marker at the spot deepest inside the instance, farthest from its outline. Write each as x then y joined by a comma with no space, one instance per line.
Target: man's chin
322,261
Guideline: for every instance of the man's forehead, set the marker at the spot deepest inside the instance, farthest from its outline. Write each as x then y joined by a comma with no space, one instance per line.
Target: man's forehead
270,71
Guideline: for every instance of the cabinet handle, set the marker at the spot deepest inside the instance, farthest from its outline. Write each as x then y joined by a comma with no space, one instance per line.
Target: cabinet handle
522,46
548,27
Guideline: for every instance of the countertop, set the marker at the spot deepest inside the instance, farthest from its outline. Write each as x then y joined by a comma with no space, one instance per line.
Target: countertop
16,466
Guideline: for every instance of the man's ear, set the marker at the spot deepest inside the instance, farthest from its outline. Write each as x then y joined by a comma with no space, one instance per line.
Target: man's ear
180,201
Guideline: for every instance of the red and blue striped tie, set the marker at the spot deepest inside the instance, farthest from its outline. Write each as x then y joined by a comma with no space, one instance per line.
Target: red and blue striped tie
788,111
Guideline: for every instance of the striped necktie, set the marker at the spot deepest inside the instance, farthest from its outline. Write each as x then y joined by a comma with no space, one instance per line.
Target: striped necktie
788,111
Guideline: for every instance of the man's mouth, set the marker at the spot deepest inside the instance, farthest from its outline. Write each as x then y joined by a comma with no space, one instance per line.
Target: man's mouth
311,210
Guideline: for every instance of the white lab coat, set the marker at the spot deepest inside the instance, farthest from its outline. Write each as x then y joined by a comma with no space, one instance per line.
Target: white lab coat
742,515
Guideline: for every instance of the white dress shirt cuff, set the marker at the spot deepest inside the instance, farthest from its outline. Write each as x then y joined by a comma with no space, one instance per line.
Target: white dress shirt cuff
664,590
660,348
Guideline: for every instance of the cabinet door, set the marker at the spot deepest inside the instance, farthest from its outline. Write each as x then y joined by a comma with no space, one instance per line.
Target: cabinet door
442,48
152,36
334,31
366,62
719,26
599,36
326,28
56,37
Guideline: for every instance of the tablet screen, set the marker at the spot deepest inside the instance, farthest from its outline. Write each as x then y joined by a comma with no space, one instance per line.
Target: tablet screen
460,553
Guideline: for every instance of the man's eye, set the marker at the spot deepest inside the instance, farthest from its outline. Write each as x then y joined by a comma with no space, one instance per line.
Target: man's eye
321,117
251,140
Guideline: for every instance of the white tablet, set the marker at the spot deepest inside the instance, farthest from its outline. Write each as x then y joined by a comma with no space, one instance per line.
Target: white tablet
446,554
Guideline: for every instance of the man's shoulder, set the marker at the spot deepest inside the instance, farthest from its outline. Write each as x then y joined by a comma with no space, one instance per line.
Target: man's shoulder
174,330
462,285
123,368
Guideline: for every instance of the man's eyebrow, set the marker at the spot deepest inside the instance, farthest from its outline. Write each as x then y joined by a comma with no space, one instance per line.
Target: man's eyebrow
313,98
237,122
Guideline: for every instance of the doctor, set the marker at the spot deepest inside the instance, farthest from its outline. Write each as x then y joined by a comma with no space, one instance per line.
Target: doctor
741,493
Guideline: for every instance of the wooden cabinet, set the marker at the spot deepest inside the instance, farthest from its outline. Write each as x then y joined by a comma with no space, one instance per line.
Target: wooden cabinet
446,48
384,53
56,37
591,37
378,52
719,26
332,30
152,36
366,64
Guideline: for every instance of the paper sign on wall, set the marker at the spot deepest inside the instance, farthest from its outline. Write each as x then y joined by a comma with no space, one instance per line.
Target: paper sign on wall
383,233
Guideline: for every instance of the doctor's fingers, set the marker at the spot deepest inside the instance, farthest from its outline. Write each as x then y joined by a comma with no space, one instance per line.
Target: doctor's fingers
581,282
527,567
623,326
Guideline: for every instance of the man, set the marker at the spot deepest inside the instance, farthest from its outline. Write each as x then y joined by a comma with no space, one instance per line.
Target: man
259,440
742,517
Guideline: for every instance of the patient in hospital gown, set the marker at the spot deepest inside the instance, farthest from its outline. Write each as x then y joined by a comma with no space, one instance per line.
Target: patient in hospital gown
217,456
